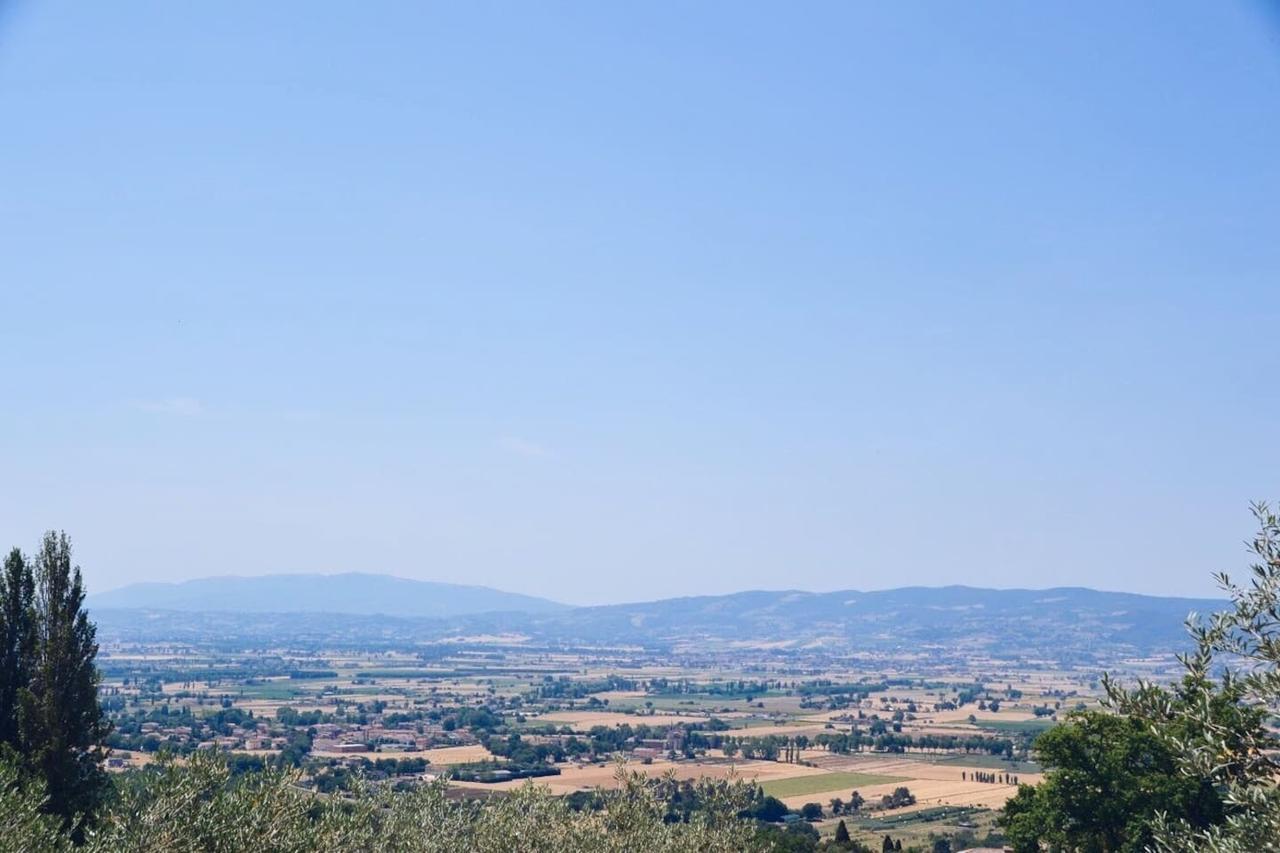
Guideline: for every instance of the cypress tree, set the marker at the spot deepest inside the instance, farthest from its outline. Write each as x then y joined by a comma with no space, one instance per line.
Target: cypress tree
842,832
17,641
61,725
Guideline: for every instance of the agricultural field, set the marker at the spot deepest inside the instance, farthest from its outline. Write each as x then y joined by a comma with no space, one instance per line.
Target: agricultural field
792,787
923,749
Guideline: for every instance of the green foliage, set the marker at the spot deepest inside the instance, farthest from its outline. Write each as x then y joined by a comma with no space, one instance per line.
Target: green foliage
49,711
796,838
17,640
199,806
900,797
27,826
1214,721
767,808
1109,777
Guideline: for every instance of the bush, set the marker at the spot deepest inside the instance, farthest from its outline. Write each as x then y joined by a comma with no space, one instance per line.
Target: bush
200,806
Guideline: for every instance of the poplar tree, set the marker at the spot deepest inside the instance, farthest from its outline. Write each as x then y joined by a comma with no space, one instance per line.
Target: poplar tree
61,727
17,641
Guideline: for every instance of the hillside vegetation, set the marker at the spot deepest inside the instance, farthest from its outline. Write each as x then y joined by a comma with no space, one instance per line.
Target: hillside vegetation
197,806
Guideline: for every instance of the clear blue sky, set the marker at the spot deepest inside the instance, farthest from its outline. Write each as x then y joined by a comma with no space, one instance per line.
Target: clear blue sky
619,301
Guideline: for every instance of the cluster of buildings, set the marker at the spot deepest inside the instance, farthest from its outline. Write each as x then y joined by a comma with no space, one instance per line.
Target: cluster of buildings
339,738
651,748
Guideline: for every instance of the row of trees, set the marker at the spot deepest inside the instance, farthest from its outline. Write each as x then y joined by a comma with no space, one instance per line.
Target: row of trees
51,726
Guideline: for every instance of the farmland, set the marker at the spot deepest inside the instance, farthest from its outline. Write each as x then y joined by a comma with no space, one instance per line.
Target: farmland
798,786
905,743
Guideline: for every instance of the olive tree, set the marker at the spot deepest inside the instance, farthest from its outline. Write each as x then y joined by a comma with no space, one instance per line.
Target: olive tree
1214,720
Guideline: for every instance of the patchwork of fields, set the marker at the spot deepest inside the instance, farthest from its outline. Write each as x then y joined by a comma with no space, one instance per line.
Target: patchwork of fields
813,735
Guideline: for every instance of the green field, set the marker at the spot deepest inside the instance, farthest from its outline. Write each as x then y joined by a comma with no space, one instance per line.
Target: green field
276,690
1017,726
993,762
801,785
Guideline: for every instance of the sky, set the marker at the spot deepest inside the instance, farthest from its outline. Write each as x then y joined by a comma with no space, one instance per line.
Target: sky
609,302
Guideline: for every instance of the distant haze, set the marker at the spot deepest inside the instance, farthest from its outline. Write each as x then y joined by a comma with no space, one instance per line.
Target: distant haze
344,593
1059,624
612,302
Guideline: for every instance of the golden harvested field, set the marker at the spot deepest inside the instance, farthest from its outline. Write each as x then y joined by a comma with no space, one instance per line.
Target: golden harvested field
783,730
621,695
900,766
932,784
453,754
928,793
575,778
584,720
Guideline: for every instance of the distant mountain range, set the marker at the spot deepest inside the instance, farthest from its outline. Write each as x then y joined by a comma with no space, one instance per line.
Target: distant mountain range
963,619
350,593
1065,623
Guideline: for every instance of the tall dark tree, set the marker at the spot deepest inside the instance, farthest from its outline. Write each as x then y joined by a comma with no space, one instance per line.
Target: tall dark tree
61,725
17,641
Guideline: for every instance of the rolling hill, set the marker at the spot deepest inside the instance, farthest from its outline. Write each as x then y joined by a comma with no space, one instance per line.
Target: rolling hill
351,593
1074,619
1064,623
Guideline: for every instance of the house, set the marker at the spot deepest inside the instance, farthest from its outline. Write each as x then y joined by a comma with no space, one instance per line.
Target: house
349,747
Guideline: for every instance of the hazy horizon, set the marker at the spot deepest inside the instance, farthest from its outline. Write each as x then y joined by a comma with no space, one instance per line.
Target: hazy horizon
623,304
571,603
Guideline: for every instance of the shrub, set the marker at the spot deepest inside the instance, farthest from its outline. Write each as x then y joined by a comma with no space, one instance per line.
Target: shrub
200,806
